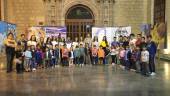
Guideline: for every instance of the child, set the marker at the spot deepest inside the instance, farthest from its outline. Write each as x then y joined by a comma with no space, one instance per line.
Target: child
127,58
27,59
65,55
94,55
33,63
138,56
18,60
53,59
56,54
82,55
71,55
114,52
47,58
133,59
145,62
38,56
101,55
77,55
122,55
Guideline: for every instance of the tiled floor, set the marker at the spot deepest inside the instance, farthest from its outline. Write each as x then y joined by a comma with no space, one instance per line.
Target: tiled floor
86,81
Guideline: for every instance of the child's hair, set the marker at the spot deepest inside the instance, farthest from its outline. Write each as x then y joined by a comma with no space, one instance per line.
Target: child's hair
94,45
127,46
32,47
56,45
77,46
113,47
100,46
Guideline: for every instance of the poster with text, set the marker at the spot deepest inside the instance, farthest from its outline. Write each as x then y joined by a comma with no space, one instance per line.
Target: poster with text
110,32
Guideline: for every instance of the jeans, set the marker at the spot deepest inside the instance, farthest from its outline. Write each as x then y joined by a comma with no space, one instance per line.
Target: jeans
65,61
94,60
27,63
138,66
10,58
145,68
81,60
77,60
114,59
33,63
127,64
53,62
152,63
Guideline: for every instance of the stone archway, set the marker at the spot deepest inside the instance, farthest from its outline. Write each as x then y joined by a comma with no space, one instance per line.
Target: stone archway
79,20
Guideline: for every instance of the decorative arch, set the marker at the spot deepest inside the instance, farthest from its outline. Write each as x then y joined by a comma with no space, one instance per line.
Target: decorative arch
79,18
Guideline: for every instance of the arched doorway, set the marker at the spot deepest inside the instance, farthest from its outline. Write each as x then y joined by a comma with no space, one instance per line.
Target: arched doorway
79,21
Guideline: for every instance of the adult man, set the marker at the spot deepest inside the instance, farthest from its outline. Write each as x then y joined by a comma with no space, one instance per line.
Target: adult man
23,43
152,48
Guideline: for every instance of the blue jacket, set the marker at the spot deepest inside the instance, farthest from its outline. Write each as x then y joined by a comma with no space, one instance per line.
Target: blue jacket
152,48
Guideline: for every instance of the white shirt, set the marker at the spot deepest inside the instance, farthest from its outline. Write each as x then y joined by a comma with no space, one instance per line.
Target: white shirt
96,43
68,45
28,54
75,44
54,43
32,43
114,51
145,56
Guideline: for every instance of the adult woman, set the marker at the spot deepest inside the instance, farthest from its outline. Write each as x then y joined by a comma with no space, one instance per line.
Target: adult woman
81,41
104,44
32,41
48,42
10,44
88,39
75,43
53,41
95,42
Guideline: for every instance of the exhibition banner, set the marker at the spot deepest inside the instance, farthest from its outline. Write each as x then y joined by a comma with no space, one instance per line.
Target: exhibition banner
56,31
159,35
110,32
45,32
5,28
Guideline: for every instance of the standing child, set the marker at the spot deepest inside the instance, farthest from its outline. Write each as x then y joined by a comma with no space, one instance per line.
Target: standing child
113,54
121,56
101,55
47,58
82,55
56,54
127,58
94,55
65,55
38,56
138,58
71,55
53,59
133,59
27,59
77,55
145,62
33,63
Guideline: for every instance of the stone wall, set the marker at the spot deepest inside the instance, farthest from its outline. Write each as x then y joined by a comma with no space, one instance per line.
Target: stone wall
27,13
24,13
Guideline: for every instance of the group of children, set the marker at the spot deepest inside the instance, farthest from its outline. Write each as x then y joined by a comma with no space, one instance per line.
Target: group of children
126,53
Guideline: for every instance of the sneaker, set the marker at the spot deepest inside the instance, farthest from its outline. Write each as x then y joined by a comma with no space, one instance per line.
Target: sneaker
153,74
113,64
34,69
